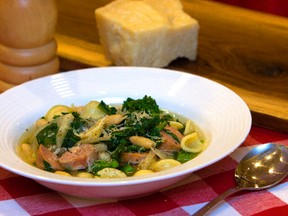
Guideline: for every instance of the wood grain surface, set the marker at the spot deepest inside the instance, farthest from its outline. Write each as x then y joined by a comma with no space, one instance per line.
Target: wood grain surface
27,45
244,50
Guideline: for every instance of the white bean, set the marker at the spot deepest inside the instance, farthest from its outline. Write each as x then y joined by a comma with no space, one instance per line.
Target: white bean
142,142
114,119
111,173
176,125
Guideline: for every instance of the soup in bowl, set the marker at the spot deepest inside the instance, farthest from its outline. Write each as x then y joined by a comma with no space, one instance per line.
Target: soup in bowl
220,119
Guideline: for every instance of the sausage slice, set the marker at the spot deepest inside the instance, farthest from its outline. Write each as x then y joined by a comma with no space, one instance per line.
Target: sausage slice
79,157
170,144
132,157
45,155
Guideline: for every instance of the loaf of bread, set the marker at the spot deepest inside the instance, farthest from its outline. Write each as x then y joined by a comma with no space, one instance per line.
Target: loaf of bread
146,32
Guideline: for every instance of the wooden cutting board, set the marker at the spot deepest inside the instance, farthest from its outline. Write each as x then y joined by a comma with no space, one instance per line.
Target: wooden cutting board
244,50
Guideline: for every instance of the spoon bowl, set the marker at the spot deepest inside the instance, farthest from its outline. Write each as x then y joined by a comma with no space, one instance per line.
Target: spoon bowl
263,167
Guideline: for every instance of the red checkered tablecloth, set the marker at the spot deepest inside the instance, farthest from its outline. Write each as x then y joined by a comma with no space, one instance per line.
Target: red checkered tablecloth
21,196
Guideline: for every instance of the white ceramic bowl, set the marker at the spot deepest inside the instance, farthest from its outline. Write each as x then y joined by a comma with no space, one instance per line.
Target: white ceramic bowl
220,113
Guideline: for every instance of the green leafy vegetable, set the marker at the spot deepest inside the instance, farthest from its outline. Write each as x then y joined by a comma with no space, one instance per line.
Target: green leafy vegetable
128,169
134,124
101,164
134,148
109,110
47,167
142,118
79,124
47,136
70,139
183,156
172,135
146,104
117,146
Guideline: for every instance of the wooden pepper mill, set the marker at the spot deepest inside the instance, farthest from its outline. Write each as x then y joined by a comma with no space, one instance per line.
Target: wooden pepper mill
27,45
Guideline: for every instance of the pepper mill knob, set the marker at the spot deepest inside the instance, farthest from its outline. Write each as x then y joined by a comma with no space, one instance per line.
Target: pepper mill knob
27,45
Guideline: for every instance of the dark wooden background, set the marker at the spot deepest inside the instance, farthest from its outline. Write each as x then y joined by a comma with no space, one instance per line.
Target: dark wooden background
242,49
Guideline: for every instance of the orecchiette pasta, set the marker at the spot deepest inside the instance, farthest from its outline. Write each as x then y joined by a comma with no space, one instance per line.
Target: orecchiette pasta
84,175
189,128
56,111
41,122
191,143
62,173
143,172
91,110
165,164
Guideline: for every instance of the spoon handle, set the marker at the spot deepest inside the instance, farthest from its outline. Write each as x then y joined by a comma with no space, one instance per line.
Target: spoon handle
205,209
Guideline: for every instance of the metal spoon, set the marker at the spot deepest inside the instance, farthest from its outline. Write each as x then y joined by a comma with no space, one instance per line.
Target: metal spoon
263,167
